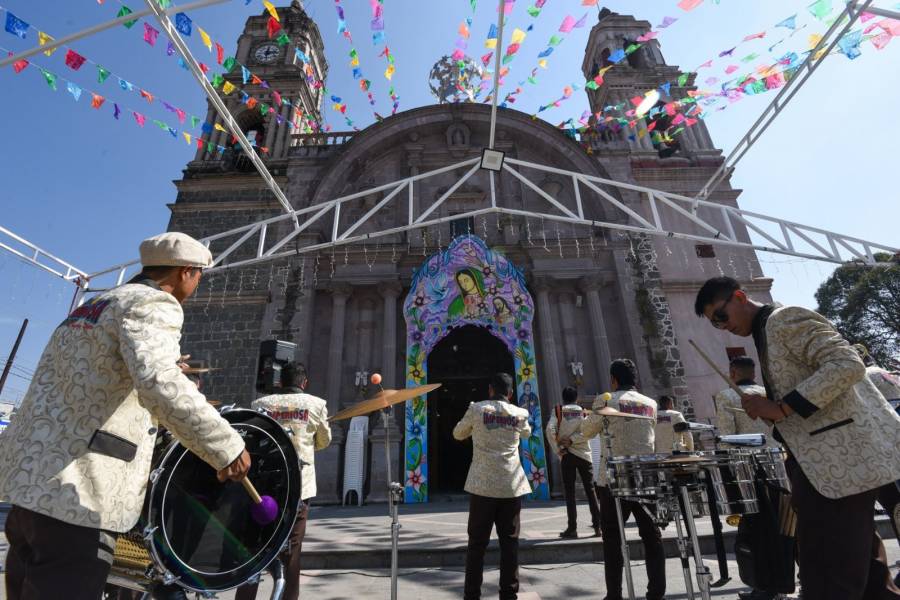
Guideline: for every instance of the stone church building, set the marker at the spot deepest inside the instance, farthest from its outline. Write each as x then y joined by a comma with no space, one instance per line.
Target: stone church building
452,303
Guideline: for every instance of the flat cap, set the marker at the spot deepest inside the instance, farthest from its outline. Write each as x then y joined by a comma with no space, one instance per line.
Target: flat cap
174,249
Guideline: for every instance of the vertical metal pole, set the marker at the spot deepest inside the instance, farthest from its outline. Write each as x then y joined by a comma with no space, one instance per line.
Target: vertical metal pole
703,575
682,552
393,499
12,355
496,74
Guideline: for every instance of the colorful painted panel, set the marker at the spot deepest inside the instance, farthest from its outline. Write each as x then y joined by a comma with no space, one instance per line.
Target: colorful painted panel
470,284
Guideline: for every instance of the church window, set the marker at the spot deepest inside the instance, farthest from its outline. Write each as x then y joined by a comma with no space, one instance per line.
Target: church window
462,226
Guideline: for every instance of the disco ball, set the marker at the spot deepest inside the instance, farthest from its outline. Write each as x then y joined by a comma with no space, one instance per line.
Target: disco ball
453,80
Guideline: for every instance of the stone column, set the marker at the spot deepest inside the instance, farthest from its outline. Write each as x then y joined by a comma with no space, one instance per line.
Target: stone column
283,132
591,285
390,292
568,330
548,369
271,128
329,462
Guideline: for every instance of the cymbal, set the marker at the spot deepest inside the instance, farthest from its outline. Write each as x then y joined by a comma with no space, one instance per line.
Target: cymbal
198,370
382,400
608,411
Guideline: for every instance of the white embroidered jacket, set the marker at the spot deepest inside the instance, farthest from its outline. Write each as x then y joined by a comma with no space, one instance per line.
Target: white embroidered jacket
665,433
496,428
79,447
736,421
844,434
631,437
572,416
307,418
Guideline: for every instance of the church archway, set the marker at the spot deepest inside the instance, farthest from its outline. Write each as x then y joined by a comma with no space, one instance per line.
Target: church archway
469,284
463,362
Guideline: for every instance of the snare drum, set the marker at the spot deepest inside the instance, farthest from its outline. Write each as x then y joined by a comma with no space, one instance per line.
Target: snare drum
637,478
197,532
731,474
771,463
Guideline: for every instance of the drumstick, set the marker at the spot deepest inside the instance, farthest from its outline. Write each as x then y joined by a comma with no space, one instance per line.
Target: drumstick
254,495
709,361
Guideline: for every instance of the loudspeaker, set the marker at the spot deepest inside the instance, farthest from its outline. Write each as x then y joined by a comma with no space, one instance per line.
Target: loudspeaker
274,355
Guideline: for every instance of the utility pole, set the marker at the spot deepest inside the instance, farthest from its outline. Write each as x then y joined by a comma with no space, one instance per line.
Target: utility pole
12,355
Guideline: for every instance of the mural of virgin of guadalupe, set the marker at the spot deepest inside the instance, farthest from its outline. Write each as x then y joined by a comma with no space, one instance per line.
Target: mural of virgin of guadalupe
470,302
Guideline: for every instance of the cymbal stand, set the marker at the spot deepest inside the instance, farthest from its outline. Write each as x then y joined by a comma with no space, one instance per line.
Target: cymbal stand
683,554
607,441
395,494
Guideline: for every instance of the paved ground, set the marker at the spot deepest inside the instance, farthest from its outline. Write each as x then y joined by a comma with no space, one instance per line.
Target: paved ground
347,535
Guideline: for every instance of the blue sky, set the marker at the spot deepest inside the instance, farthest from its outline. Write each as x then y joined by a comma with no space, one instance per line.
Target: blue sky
88,188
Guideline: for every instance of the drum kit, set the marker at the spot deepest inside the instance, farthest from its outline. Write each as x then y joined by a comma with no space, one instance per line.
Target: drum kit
202,535
682,487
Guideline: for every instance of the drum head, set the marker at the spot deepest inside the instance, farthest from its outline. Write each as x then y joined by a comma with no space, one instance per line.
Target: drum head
204,534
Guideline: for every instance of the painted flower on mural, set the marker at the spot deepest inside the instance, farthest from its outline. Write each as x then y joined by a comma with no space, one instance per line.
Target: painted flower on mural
522,334
417,336
487,270
518,299
492,290
537,476
416,364
419,300
414,479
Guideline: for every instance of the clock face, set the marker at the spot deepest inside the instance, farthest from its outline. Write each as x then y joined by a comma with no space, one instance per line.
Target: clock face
267,53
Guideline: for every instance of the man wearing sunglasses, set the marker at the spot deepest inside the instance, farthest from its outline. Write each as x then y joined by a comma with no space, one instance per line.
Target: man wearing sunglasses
842,437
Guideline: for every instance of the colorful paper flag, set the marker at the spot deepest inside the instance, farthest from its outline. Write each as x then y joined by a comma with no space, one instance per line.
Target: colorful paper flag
43,40
116,111
666,22
74,90
205,37
141,119
19,65
688,5
147,95
220,53
567,24
126,11
227,88
271,8
150,34
272,27
789,23
74,60
183,24
16,26
97,100
102,74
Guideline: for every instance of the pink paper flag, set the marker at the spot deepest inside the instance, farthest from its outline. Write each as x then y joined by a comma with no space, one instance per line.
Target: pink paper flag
150,34
731,69
458,54
707,64
687,5
647,36
139,118
881,40
589,2
567,24
863,17
755,36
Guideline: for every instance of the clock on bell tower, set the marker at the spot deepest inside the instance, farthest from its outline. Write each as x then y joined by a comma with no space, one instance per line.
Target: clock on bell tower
276,95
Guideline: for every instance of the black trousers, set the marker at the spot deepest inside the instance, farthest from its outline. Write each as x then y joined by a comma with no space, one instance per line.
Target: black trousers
889,498
290,558
48,558
484,514
572,465
614,562
835,540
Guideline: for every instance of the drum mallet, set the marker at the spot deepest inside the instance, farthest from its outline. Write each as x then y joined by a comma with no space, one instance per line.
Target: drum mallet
264,509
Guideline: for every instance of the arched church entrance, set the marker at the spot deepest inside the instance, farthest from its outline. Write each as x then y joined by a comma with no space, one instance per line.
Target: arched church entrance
474,299
463,363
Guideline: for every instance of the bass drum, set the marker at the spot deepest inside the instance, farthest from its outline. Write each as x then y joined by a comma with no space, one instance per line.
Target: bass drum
198,533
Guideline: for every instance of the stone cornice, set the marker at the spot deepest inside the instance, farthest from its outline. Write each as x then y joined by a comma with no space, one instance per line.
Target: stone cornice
231,298
760,284
260,205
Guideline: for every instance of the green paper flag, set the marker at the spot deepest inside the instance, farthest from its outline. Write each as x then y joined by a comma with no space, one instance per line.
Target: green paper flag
591,85
229,63
164,4
210,147
283,39
820,8
534,81
682,79
507,59
353,53
534,11
217,80
51,79
102,74
263,108
472,4
555,40
631,48
194,121
126,11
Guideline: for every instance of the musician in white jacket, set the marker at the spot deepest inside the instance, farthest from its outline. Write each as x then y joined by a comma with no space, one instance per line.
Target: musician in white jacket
667,441
563,432
75,461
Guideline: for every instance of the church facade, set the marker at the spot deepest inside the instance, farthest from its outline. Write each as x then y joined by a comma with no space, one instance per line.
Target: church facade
548,302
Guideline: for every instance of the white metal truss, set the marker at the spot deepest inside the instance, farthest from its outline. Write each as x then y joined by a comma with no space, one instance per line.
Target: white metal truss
717,223
38,257
815,58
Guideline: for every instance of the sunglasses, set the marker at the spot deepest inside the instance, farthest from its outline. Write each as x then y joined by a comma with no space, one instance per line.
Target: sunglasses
719,317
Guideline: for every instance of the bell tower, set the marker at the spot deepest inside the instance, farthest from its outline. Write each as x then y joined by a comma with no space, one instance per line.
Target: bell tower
624,60
274,87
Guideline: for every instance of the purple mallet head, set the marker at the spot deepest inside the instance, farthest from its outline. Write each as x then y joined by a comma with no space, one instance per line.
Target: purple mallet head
265,512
